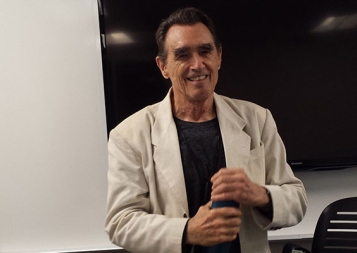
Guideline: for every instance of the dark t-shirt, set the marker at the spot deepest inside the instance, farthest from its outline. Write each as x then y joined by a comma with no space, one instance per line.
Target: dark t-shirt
202,155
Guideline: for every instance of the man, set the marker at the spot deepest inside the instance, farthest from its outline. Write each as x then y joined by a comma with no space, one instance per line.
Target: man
170,161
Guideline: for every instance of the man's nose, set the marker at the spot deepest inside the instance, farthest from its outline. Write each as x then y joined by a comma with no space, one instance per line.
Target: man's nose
197,62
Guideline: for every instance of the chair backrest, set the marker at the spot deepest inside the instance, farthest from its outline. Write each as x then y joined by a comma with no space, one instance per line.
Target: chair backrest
336,229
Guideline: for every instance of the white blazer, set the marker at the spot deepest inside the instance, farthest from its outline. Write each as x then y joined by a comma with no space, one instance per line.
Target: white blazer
147,203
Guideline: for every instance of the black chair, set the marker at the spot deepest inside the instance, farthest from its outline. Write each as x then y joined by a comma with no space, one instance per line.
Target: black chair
336,230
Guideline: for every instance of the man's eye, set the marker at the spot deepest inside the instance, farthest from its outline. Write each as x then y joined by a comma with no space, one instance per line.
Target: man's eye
182,56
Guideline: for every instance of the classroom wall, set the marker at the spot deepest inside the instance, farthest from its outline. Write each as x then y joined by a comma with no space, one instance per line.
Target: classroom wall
53,159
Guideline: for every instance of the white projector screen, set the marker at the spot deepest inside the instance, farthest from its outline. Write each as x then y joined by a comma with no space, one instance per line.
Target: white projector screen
53,159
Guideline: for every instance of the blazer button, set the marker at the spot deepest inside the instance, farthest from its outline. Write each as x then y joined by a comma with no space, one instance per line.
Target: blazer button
185,215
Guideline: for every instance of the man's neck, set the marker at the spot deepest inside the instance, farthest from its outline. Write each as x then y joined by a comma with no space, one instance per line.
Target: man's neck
194,112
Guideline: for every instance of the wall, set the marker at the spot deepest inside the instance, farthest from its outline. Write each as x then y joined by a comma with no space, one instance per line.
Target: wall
52,127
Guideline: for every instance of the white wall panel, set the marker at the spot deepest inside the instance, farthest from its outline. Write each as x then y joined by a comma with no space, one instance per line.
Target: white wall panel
53,159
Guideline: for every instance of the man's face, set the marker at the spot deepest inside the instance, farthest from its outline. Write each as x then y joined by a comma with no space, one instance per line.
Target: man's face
192,62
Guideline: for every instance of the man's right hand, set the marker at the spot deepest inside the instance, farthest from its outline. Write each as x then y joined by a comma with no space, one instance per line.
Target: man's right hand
213,226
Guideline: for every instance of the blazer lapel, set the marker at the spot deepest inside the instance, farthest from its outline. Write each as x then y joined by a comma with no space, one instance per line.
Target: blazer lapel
167,155
235,141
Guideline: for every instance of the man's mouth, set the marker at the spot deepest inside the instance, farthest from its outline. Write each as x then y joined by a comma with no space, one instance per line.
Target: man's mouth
197,78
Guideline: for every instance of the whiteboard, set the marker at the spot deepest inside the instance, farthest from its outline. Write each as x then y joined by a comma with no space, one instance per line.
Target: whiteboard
53,143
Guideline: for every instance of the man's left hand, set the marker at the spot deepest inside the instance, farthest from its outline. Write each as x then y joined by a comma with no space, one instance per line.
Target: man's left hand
234,184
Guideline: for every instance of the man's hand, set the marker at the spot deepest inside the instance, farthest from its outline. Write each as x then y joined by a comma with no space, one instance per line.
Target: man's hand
213,226
234,184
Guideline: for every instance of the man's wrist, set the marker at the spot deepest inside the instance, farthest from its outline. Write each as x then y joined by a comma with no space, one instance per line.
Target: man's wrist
184,245
267,209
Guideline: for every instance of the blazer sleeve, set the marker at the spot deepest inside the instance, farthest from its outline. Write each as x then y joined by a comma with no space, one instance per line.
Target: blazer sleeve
130,221
288,194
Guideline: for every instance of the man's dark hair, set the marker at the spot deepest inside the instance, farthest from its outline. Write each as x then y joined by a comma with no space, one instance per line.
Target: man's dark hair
185,16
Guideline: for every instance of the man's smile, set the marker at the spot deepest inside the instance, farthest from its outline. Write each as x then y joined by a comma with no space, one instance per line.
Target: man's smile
197,78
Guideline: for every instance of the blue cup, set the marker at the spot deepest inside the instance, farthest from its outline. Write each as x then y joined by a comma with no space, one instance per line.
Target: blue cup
222,247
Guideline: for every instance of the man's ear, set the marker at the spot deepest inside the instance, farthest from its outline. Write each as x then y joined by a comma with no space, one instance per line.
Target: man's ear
220,56
162,67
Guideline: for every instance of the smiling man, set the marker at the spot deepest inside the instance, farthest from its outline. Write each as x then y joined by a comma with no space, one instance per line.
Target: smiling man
191,63
172,162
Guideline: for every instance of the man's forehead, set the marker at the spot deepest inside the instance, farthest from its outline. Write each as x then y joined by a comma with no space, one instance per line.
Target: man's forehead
181,34
202,46
188,38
